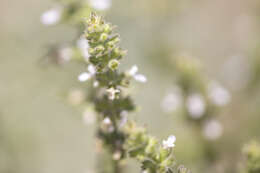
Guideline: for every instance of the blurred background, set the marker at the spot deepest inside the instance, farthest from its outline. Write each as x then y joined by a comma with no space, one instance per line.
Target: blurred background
41,132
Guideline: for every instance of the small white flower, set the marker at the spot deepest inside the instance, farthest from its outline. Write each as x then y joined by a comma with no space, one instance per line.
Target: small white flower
212,130
138,77
172,101
84,76
100,4
112,93
107,121
91,69
87,75
117,155
133,70
107,125
95,84
51,16
195,106
218,95
169,143
83,45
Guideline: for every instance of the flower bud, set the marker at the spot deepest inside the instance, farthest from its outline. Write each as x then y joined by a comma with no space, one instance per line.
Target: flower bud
103,37
91,51
107,28
99,48
90,29
113,64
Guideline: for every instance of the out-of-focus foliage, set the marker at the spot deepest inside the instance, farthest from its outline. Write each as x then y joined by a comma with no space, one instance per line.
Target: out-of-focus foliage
252,153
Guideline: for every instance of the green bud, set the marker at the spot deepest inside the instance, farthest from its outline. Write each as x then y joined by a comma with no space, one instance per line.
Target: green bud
116,40
113,64
163,153
111,44
90,29
107,28
91,51
103,37
150,148
99,48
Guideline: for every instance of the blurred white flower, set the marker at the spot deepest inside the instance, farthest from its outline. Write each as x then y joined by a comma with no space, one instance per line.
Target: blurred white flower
133,70
117,155
87,75
112,93
107,121
83,45
89,116
95,84
107,125
169,143
212,130
100,4
195,105
51,16
138,77
65,54
84,76
218,95
171,101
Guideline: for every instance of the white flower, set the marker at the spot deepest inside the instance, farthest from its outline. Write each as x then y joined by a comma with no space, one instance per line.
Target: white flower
212,130
107,121
87,75
169,143
83,45
218,95
195,105
117,155
84,76
100,4
172,101
112,93
107,125
133,70
51,16
91,69
95,84
138,77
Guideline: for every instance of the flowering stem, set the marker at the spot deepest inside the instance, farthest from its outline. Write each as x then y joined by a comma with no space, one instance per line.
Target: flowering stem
121,139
